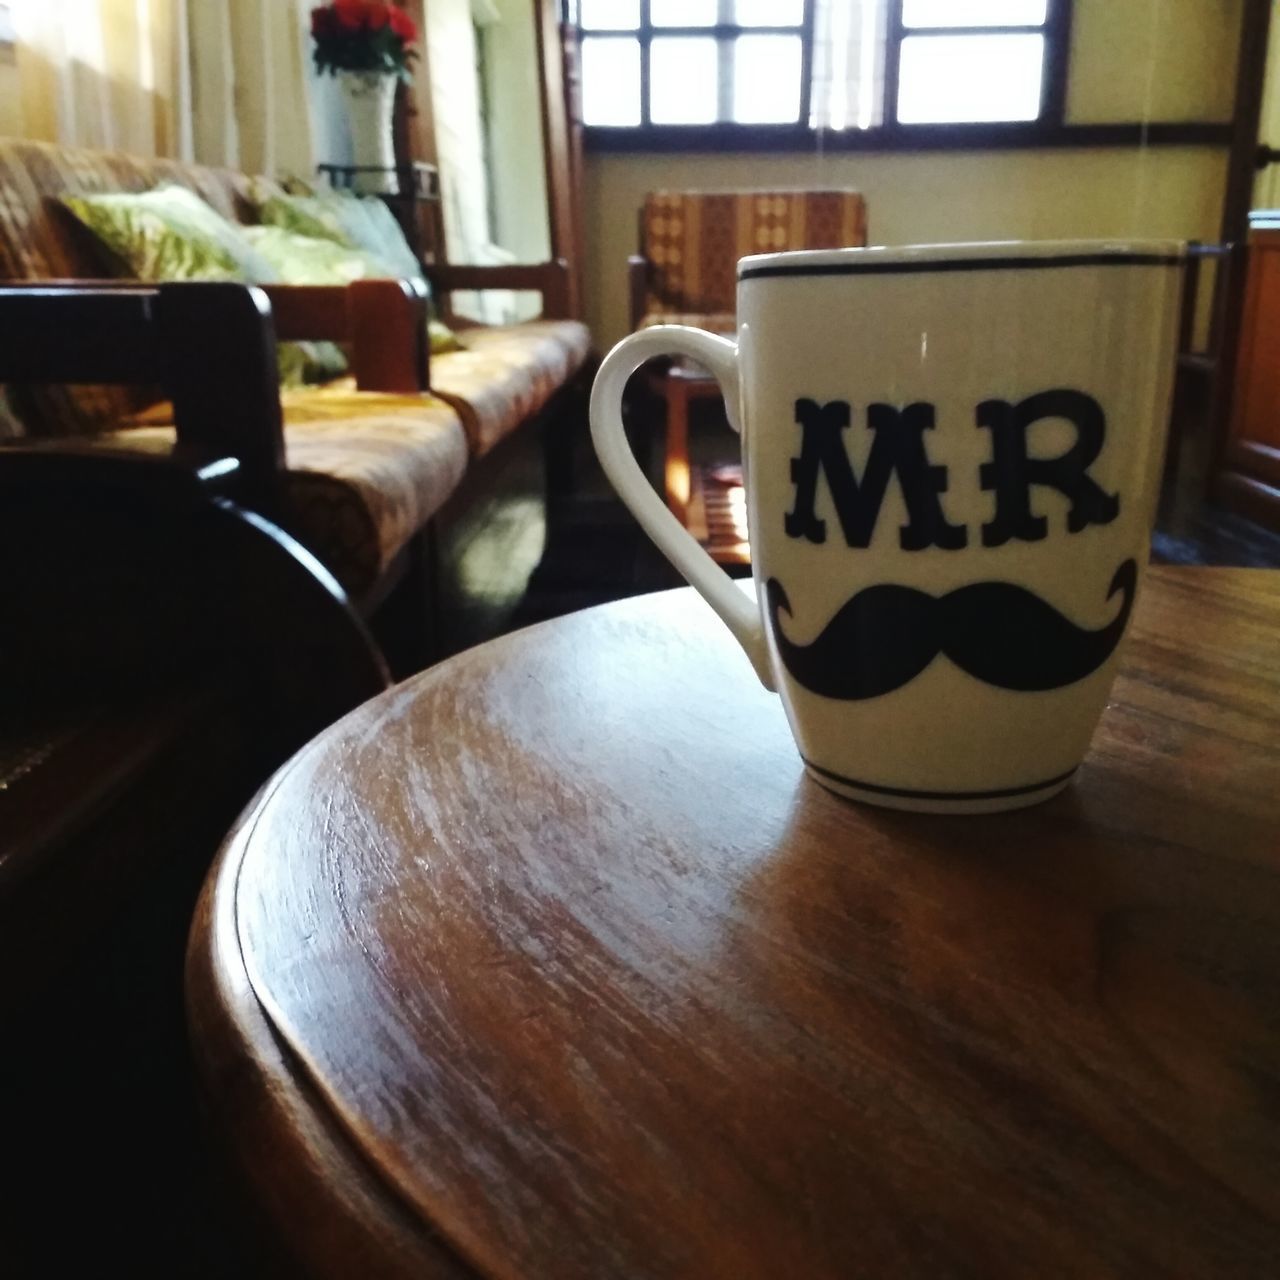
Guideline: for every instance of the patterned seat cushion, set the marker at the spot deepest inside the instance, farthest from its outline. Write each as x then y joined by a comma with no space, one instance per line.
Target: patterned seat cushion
502,375
366,471
693,239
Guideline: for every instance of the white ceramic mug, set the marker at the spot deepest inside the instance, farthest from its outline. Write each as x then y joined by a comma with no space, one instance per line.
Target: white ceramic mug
951,456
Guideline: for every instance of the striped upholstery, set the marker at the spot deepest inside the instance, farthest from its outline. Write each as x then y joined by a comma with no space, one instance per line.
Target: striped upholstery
41,241
366,470
693,239
499,377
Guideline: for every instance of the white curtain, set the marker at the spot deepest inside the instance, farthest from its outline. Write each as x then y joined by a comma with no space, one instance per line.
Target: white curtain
848,64
222,82
111,74
250,105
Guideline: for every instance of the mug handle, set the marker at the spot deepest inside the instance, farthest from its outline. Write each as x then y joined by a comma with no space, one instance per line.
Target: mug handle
736,609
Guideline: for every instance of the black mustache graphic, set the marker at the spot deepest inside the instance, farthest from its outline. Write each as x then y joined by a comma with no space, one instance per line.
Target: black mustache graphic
998,632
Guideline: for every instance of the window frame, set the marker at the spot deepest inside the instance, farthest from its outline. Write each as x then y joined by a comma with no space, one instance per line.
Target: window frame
1056,30
724,33
1050,129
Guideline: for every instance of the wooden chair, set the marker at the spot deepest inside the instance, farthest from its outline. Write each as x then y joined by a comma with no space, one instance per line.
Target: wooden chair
686,273
160,641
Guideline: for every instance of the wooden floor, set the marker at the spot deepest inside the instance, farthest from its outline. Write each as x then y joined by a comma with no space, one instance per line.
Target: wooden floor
1210,535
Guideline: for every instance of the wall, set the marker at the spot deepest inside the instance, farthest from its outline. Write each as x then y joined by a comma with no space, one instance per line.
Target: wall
1168,60
921,199
519,184
460,147
1176,57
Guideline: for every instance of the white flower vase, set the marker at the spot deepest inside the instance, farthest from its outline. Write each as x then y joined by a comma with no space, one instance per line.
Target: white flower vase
370,99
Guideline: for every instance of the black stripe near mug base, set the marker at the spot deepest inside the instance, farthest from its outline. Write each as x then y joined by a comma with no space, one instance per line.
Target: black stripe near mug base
923,265
906,793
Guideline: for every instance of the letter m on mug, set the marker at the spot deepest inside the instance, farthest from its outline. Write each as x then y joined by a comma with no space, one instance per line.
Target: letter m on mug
899,448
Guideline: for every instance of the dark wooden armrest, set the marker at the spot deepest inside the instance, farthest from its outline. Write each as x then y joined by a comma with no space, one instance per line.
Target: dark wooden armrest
208,345
58,467
637,287
77,332
385,321
550,279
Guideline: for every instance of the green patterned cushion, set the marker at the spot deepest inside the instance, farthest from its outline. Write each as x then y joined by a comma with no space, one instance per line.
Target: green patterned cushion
442,338
306,259
363,223
304,362
170,234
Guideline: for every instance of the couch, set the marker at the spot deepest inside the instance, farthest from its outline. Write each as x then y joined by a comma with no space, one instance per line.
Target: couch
367,463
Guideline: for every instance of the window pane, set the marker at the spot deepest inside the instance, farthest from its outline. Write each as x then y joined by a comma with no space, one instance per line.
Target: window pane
974,13
945,79
610,15
683,82
766,79
684,13
769,13
611,81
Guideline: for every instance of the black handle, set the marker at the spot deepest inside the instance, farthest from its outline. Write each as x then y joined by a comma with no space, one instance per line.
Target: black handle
1265,156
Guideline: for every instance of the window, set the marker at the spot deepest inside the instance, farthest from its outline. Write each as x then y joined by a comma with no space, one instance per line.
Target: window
654,65
693,62
7,33
970,60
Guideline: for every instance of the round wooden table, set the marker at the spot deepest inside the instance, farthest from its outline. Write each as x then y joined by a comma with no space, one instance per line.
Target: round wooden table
551,963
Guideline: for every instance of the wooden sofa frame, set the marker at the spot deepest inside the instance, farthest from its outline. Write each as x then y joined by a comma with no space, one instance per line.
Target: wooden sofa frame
163,648
83,331
219,477
228,414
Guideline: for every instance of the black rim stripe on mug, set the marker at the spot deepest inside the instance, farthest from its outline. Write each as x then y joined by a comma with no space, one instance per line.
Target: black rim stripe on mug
908,794
963,264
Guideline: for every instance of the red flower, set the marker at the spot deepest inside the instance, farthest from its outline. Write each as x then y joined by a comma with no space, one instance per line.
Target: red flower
378,15
350,13
403,26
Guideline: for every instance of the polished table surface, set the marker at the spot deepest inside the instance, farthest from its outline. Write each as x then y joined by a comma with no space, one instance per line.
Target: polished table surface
552,963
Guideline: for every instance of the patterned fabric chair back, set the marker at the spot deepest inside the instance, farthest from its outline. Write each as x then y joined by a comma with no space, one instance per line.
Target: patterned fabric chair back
693,239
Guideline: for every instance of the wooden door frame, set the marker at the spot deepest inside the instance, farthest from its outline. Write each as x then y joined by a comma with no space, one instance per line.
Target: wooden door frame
1251,74
1230,278
561,141
561,138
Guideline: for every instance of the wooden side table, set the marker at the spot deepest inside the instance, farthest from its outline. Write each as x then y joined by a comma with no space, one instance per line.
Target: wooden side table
711,505
551,963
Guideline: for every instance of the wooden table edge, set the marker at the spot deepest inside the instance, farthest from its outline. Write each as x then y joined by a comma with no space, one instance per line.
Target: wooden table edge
335,1211
325,1205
